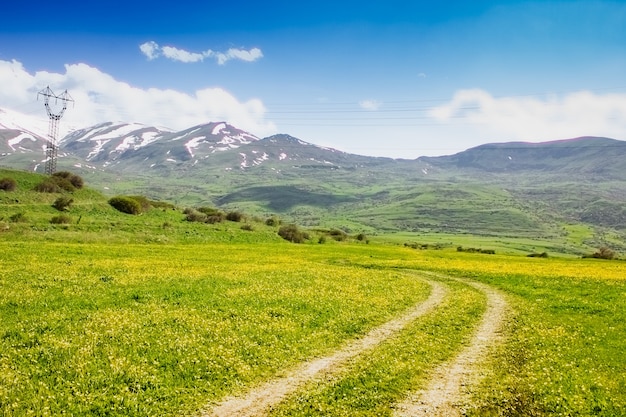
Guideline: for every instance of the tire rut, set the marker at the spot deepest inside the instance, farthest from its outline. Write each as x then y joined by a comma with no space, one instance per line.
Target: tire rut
446,394
260,400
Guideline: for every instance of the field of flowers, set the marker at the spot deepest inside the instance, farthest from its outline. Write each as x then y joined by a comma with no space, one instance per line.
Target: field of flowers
162,330
135,330
564,351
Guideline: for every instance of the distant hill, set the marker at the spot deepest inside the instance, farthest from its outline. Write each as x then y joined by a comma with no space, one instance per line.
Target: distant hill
513,189
585,155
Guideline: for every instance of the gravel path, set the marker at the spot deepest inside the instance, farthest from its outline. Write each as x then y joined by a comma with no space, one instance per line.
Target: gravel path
260,400
447,392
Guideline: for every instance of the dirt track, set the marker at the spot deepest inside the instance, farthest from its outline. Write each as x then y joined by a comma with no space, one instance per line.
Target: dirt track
260,400
445,395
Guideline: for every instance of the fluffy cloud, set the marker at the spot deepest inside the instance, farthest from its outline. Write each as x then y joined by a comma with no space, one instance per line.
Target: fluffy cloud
152,50
240,54
535,119
99,98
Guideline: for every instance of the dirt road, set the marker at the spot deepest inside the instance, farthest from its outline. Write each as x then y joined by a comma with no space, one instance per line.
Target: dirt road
260,400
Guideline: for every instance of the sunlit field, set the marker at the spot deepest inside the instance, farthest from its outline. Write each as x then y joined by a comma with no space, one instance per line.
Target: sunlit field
96,329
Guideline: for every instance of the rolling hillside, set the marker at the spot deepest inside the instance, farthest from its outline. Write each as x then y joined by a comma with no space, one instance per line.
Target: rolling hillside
508,189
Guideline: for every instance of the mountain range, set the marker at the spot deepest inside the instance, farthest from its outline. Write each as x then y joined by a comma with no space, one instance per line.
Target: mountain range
515,188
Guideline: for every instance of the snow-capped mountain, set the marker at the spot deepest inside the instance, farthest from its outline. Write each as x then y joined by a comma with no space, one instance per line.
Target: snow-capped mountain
20,133
115,143
138,148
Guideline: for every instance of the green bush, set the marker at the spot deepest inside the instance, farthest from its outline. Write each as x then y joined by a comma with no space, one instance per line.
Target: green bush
193,215
292,233
248,227
125,204
60,181
62,203
272,221
75,180
234,216
216,218
8,184
603,253
143,201
61,219
338,235
209,211
48,186
476,250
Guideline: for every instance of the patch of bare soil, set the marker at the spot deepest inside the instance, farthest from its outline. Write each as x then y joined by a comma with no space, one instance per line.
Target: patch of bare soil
259,401
447,393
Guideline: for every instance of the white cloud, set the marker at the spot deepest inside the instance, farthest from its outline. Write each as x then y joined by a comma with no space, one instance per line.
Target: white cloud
152,50
241,54
181,55
370,105
535,119
99,98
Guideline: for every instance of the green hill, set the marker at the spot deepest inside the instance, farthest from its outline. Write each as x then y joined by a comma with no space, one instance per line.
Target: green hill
25,214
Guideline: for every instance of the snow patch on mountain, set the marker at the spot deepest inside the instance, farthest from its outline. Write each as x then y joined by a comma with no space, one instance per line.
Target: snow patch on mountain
97,149
244,160
193,144
218,128
19,138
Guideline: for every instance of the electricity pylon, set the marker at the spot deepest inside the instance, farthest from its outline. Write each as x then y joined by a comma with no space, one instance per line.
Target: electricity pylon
52,148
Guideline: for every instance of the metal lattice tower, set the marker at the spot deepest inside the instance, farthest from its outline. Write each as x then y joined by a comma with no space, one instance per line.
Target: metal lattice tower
52,148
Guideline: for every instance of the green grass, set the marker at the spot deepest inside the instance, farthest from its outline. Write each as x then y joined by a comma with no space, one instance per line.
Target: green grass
95,329
116,314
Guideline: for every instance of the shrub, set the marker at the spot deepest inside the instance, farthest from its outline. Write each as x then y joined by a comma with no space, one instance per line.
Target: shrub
47,186
75,180
193,215
321,240
248,227
204,215
272,221
62,203
361,237
338,235
538,255
602,253
125,204
8,184
59,181
292,233
234,216
216,218
143,201
476,250
61,219
209,211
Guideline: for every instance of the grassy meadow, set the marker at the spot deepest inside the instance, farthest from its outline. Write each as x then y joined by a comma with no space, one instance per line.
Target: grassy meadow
120,315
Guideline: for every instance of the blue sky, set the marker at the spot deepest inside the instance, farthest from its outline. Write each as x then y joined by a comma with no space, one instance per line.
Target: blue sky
384,78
